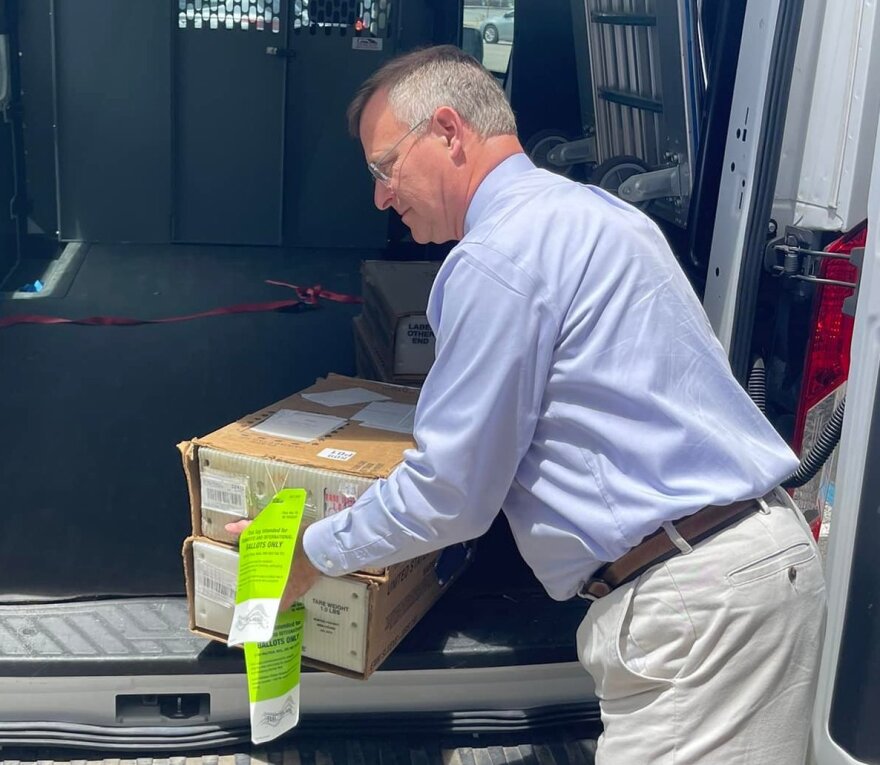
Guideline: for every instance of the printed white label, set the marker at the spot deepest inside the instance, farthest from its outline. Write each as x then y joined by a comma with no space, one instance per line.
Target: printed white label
299,426
413,346
338,499
366,43
216,585
387,415
345,397
419,332
340,455
224,493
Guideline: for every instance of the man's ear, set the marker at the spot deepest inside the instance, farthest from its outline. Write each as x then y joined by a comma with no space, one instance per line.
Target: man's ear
450,127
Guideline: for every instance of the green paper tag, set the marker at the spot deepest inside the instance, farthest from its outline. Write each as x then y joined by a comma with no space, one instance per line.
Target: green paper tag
265,556
273,671
272,641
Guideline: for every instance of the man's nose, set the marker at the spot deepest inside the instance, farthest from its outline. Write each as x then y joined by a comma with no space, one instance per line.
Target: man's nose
382,195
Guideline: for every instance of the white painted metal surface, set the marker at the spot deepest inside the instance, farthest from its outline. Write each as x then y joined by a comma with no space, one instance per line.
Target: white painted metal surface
740,156
803,81
861,388
92,700
835,170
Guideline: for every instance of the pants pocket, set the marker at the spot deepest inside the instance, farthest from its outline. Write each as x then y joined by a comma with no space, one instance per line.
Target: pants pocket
771,564
637,639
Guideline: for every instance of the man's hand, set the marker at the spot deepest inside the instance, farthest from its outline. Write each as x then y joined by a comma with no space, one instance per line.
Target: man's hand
303,574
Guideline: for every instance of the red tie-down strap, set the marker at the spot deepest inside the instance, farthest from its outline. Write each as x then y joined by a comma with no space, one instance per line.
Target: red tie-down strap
310,295
306,296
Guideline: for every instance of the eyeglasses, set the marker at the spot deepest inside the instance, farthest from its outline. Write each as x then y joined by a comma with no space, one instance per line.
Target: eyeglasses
375,168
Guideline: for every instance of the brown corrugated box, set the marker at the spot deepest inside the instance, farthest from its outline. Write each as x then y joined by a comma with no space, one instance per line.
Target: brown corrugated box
395,295
360,455
352,622
368,362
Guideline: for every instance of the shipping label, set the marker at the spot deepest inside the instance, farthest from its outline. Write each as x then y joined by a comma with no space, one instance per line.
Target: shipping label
338,455
215,584
224,492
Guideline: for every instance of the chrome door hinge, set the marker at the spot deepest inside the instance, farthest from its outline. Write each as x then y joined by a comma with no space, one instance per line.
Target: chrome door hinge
795,256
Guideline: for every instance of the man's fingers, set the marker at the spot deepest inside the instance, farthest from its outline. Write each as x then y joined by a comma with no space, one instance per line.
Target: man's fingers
302,574
238,526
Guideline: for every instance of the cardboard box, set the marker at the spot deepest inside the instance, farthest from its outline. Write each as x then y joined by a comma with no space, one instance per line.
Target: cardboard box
239,486
235,471
352,622
395,297
368,362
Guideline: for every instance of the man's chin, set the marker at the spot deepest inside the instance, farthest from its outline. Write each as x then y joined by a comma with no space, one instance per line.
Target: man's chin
419,237
422,237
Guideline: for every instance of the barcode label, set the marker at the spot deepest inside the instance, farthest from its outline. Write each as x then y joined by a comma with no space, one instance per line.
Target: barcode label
340,455
224,493
216,585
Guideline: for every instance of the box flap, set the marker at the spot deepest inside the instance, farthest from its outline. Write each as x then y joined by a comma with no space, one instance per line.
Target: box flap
191,471
352,449
189,577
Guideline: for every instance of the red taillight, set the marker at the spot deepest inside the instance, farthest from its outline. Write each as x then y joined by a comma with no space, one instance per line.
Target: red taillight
827,361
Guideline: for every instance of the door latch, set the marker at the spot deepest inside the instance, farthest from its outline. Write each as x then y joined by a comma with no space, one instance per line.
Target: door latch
280,52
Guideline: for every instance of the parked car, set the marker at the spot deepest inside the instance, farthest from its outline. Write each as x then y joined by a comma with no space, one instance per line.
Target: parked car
498,28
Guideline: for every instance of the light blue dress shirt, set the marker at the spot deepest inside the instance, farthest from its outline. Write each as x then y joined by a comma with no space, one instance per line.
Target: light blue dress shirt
577,384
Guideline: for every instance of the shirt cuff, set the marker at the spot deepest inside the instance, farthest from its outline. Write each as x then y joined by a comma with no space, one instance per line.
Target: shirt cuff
322,549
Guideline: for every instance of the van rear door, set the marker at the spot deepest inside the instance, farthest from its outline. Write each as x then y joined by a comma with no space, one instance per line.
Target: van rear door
845,728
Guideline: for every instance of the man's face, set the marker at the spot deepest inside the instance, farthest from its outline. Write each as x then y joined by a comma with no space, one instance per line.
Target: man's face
416,168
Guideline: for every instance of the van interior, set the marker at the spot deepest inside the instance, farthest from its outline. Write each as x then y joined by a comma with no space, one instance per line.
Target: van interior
164,159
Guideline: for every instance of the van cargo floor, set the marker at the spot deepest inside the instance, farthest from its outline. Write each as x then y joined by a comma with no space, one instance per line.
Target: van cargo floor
93,496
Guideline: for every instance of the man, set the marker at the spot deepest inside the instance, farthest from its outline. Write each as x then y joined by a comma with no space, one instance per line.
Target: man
578,385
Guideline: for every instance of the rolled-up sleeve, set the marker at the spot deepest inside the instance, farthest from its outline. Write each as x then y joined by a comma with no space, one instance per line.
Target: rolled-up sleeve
495,331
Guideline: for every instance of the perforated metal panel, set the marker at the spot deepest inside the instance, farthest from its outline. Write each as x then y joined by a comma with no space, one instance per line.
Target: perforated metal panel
363,18
258,15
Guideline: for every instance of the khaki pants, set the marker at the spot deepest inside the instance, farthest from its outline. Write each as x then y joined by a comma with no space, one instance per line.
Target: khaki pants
712,657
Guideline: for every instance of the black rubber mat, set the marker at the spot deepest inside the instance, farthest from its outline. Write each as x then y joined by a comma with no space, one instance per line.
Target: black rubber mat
558,750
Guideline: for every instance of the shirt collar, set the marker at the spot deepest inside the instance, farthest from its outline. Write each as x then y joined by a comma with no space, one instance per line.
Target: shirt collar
494,182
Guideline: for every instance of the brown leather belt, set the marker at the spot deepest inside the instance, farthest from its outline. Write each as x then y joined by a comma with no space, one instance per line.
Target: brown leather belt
658,547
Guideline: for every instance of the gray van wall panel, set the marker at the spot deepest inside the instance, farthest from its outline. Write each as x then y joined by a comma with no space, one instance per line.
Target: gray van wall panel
114,119
8,245
329,201
229,112
35,39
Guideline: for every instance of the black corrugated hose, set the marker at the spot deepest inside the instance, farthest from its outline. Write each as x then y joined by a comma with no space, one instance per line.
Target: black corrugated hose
820,451
757,386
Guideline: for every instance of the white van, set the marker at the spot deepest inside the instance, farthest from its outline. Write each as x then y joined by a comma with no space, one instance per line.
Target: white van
765,172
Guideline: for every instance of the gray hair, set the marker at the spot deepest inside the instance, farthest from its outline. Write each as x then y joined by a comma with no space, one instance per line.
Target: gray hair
420,82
